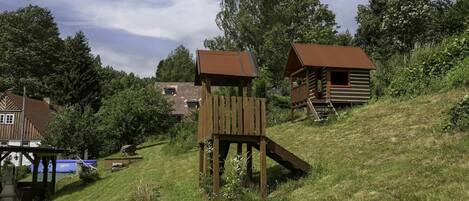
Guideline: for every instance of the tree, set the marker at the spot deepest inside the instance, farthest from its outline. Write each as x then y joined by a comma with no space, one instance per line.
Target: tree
131,115
79,81
177,67
74,130
30,49
268,28
389,27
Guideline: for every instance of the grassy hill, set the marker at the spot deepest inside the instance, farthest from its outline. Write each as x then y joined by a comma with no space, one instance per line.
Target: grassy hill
391,149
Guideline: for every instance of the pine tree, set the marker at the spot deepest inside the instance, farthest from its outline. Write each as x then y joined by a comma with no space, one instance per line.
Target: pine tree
80,82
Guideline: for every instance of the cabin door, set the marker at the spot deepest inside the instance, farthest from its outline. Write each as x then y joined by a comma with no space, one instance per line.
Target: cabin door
319,84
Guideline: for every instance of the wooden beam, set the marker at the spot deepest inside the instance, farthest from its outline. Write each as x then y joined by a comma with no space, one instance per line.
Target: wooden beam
216,165
45,170
239,149
249,160
35,169
201,162
263,167
54,172
25,154
4,156
297,72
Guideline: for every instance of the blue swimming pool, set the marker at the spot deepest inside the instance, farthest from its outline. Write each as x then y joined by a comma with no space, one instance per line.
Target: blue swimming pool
65,166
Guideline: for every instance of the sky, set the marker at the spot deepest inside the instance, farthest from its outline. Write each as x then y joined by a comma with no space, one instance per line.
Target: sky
134,35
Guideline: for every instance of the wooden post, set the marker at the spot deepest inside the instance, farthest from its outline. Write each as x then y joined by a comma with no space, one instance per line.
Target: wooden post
216,165
291,98
54,172
263,167
35,169
45,172
239,150
201,162
249,160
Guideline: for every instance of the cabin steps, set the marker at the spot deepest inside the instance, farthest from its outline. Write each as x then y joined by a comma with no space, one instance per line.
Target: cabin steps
321,110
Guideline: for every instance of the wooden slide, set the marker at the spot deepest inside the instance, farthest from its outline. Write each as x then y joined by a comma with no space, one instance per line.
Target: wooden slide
284,157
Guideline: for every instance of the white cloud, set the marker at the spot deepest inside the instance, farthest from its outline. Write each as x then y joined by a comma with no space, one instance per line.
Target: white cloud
174,19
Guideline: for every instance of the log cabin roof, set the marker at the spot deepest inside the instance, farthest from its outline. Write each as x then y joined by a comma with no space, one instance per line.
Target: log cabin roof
225,68
38,112
331,56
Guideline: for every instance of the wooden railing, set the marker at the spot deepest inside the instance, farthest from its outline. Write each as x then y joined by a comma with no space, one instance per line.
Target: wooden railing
299,93
231,116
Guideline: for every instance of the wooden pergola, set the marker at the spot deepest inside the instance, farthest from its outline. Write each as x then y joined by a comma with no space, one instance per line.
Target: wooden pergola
45,155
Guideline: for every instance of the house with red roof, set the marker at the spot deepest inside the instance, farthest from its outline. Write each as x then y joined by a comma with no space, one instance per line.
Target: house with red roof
37,116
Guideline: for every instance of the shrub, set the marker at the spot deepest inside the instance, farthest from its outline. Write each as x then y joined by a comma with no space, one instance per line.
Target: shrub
276,115
182,138
87,173
459,75
459,115
144,191
235,178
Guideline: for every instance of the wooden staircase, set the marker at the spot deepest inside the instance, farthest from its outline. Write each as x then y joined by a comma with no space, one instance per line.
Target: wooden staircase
321,110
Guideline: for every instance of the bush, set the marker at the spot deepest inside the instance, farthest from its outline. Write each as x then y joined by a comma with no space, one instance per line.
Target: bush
235,178
144,191
459,75
87,173
182,138
459,115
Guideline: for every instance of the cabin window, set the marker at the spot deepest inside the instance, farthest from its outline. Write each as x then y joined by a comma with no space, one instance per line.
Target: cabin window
25,143
169,90
340,78
7,118
193,104
4,142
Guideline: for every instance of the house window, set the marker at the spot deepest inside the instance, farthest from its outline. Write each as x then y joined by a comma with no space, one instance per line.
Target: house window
25,143
7,118
193,104
340,78
169,90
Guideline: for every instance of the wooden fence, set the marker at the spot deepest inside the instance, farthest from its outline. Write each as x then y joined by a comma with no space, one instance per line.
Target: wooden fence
231,116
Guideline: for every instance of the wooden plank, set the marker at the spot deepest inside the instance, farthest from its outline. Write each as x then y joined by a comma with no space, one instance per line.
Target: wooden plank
239,111
221,114
245,115
263,167
234,126
216,108
249,160
227,115
216,165
250,116
201,162
258,116
263,116
209,116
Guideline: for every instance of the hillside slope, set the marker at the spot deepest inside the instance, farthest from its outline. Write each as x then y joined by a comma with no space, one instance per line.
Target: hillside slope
388,150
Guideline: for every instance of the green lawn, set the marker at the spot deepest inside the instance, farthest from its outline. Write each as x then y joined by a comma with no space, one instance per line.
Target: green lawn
391,149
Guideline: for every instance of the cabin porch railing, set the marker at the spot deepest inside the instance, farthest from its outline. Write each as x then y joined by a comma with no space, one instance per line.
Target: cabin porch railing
299,93
231,116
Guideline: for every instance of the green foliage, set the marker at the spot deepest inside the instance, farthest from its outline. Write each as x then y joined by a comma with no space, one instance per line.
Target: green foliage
79,81
88,174
182,138
144,191
458,76
113,81
74,130
177,67
235,179
459,115
269,27
30,48
390,27
131,115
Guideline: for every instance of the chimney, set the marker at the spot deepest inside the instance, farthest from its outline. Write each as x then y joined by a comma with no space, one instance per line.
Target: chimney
47,100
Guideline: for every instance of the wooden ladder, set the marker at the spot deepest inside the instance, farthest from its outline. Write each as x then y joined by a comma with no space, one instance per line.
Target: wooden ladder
321,113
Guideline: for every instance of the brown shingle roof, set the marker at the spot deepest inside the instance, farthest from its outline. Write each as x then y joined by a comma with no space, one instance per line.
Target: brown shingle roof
226,64
37,111
331,56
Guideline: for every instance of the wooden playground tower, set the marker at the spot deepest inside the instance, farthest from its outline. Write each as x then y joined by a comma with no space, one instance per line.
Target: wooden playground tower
234,120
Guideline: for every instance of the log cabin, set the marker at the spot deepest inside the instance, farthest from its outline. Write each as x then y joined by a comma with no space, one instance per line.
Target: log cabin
326,76
38,113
